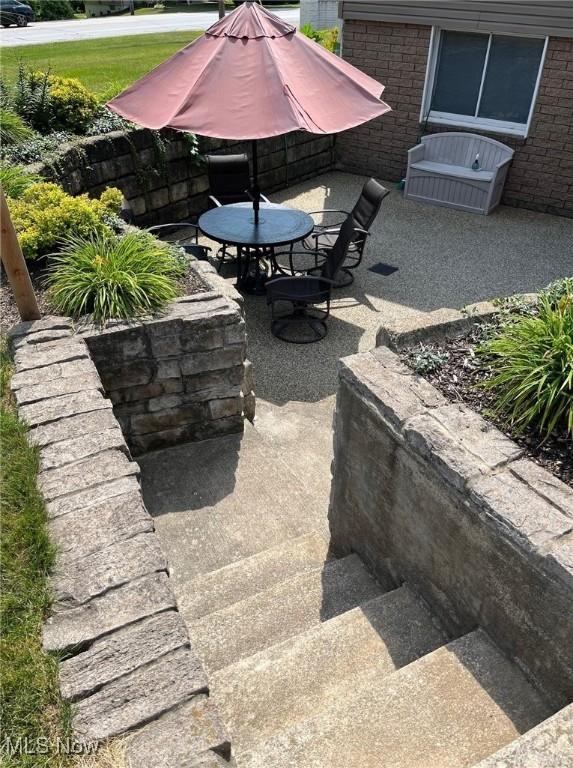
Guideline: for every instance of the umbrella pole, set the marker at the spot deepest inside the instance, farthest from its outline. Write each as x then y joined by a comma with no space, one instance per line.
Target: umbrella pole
256,190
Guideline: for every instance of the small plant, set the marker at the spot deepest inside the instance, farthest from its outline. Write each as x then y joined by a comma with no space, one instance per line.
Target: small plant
36,149
31,98
15,180
532,363
428,361
106,121
45,214
12,128
557,289
109,277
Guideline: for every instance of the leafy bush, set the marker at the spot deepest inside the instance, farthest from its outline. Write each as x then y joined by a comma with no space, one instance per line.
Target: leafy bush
557,289
12,128
106,121
52,10
45,214
35,149
53,103
15,180
72,106
328,38
109,277
532,363
31,98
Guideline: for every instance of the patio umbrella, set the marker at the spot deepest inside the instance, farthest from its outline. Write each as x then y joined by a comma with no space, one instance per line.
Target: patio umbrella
252,76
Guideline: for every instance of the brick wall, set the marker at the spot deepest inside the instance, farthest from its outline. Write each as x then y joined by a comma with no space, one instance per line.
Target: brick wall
541,175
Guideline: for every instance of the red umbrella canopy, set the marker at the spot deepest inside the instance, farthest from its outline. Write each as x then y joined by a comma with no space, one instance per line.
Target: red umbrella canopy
252,76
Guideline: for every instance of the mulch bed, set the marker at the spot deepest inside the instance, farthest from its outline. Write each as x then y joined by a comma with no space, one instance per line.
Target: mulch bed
458,377
191,284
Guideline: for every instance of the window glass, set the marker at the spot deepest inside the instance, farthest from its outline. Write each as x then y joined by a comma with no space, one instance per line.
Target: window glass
510,78
459,72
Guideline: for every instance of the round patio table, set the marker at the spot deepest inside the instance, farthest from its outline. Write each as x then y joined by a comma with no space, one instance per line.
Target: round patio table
235,225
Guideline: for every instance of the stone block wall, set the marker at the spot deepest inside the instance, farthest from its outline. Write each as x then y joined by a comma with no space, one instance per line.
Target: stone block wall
127,664
541,174
176,378
428,493
165,186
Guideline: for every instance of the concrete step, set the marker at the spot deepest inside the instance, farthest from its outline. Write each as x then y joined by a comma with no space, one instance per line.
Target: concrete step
284,610
449,709
213,591
222,500
275,688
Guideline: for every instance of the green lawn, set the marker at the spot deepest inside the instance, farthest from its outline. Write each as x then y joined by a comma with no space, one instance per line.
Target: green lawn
100,63
31,705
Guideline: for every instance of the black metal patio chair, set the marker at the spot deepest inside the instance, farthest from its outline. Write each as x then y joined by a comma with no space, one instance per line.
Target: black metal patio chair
229,182
183,234
364,213
302,320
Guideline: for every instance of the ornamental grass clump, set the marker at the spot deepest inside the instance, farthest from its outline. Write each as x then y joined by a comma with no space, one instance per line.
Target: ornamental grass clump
110,277
531,360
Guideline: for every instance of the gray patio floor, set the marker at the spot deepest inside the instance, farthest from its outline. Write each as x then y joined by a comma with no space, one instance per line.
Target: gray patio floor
442,257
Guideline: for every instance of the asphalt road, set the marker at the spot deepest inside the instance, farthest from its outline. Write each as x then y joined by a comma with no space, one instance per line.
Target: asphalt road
117,26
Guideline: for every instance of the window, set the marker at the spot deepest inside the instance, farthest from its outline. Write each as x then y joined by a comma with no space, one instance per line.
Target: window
483,81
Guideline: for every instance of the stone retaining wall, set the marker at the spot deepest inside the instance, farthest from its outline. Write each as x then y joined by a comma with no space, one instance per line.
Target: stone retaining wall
178,377
128,661
174,187
429,493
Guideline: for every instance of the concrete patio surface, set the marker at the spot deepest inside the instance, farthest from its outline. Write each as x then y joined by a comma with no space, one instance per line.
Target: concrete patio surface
442,258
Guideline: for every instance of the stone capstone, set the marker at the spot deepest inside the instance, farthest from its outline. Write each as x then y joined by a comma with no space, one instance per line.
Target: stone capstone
174,740
65,480
121,653
75,627
79,580
140,696
88,529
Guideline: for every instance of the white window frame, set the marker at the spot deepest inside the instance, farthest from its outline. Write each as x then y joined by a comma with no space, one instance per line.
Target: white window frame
466,121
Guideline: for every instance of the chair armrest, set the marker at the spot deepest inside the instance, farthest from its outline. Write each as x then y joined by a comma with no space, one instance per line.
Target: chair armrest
214,200
175,225
416,153
503,162
329,210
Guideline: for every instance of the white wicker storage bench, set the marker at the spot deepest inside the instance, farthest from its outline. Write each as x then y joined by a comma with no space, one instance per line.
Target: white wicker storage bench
440,171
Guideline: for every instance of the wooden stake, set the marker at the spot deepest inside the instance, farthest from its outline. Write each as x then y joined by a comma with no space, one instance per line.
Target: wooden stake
15,265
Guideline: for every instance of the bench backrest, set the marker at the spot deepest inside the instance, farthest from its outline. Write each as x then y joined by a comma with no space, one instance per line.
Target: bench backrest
461,149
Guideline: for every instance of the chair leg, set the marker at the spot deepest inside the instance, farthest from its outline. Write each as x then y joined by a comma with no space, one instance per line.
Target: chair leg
300,326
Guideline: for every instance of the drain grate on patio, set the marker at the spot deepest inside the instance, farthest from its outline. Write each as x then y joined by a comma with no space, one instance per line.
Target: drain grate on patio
383,269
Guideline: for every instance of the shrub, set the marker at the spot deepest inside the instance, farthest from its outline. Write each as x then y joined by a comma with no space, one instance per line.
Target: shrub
45,214
12,128
35,149
557,289
107,121
31,98
52,10
53,103
328,38
109,277
72,106
532,364
15,180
